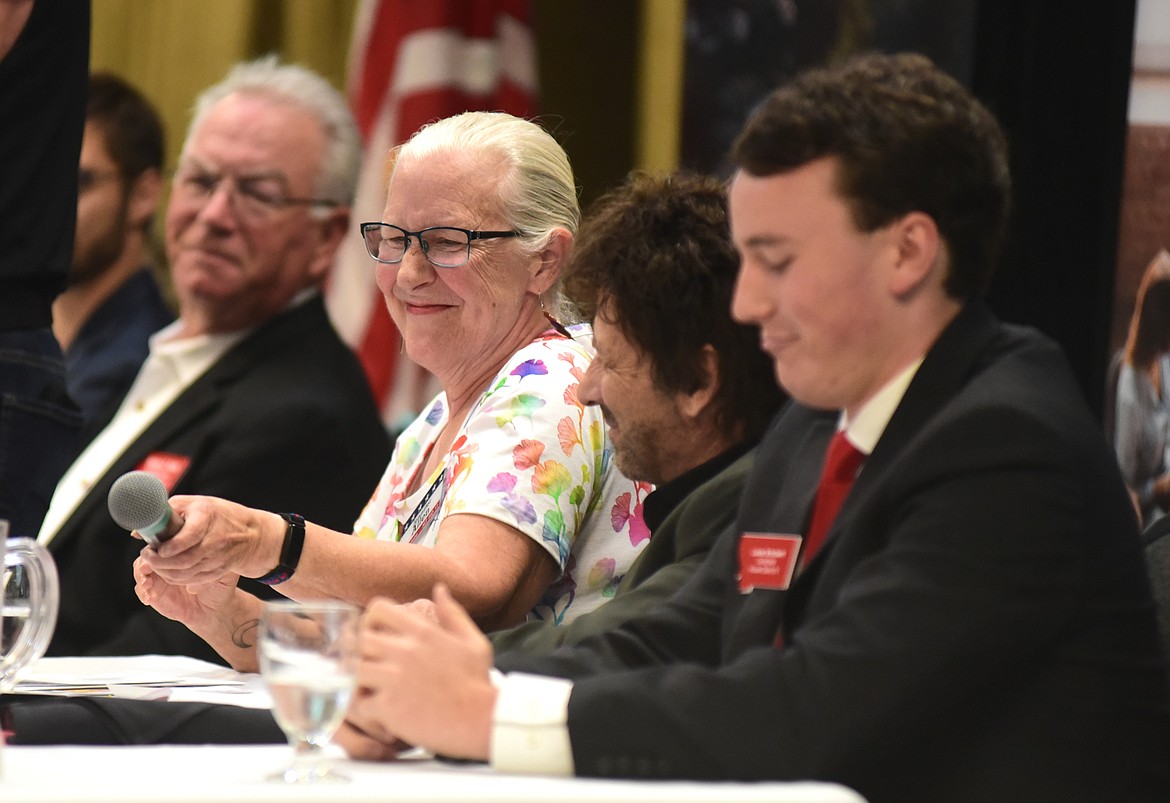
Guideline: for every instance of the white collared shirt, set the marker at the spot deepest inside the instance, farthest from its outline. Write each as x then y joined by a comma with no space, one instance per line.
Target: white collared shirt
530,731
866,428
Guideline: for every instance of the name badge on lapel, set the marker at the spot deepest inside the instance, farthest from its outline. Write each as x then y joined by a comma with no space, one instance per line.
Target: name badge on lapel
167,466
767,561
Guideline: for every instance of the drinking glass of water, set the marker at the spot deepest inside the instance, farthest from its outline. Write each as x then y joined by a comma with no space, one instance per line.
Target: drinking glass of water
308,658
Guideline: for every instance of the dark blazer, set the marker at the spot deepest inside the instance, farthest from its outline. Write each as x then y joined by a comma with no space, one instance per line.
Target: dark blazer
676,549
284,421
979,625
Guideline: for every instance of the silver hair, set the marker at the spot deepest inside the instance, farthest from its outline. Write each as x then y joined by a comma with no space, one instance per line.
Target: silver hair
538,192
304,89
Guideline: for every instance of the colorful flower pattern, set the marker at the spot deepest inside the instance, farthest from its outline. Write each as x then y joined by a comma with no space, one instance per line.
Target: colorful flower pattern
531,455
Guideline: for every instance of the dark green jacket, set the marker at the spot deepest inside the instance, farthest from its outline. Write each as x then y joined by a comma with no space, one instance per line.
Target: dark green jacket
676,549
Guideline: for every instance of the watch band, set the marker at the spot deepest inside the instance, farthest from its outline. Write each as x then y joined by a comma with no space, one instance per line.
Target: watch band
290,550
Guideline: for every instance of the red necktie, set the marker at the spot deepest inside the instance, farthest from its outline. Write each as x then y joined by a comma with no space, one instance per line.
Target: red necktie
841,464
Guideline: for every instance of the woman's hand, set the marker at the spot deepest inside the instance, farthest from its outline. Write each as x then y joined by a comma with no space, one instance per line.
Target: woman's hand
218,612
197,606
1162,491
218,537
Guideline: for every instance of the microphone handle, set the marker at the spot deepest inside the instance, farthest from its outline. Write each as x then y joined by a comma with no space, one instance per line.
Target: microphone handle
172,522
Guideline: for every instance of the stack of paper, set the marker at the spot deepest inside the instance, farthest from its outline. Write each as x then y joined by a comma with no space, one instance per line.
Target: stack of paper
151,677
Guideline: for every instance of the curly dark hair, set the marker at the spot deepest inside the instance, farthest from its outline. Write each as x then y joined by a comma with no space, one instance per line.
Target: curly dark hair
654,258
907,137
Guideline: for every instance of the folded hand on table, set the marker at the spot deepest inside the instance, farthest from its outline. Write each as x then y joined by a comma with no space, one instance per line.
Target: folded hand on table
423,679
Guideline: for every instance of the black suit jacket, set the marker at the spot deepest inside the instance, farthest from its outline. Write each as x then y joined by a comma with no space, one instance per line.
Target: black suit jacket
978,626
284,421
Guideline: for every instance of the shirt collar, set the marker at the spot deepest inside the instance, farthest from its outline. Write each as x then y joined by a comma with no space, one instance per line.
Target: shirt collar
189,357
662,501
866,428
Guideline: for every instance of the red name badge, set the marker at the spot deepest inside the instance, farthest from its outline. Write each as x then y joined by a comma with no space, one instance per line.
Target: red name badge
166,466
767,560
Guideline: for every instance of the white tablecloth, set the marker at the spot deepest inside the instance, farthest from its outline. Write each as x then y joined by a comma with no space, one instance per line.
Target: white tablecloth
226,774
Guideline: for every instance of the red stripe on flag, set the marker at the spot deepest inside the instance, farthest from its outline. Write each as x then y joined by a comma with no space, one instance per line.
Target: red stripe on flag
378,352
395,20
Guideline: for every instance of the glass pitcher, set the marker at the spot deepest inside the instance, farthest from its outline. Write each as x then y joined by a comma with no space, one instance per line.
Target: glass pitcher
28,606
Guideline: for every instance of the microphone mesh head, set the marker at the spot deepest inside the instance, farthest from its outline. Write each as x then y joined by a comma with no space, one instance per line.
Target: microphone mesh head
137,500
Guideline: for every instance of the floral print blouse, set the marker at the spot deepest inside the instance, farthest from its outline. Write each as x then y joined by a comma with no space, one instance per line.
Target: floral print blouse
532,456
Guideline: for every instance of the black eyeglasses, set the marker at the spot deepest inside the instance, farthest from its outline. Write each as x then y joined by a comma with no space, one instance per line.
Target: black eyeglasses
443,246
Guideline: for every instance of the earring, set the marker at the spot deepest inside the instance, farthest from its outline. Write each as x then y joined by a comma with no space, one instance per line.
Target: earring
557,325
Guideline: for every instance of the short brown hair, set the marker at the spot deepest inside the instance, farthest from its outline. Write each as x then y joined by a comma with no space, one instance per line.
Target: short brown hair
907,137
129,123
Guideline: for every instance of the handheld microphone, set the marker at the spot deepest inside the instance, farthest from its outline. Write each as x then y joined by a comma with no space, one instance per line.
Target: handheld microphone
138,501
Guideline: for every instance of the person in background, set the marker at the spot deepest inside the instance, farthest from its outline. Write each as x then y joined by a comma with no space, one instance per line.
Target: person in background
250,392
112,303
44,60
935,588
1142,423
504,487
685,391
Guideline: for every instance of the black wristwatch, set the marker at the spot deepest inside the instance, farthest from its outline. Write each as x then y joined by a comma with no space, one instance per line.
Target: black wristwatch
290,551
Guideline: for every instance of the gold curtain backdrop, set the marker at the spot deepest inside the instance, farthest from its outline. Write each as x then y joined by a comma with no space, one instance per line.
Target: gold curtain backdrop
173,49
624,114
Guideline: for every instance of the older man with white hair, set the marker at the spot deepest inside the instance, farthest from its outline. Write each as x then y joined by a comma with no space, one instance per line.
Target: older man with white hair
250,393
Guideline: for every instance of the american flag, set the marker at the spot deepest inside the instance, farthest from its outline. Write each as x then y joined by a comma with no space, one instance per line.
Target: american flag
411,62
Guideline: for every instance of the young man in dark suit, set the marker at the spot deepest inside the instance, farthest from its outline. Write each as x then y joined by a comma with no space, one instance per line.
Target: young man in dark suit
977,622
250,394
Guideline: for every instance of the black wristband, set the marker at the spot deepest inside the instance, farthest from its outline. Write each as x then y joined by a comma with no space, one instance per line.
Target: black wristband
290,551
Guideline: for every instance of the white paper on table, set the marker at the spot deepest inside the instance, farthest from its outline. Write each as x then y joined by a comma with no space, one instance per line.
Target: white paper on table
252,693
150,677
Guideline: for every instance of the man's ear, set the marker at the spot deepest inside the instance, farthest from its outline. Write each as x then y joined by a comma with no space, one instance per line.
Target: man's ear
693,404
550,261
917,254
144,197
333,229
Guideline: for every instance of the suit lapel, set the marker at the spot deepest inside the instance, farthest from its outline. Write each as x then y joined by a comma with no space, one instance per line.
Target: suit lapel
777,499
196,402
962,346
